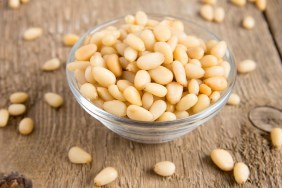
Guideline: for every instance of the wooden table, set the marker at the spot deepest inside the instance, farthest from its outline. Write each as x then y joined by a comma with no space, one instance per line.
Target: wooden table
42,156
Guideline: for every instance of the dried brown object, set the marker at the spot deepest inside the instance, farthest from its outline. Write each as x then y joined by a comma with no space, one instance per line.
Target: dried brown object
14,180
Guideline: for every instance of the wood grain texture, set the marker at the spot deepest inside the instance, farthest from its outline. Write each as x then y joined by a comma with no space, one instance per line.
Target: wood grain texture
42,156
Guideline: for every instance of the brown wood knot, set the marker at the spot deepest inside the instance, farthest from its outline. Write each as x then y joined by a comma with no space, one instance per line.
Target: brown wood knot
266,117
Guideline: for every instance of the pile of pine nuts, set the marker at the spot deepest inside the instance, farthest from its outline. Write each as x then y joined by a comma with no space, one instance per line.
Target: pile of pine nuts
150,70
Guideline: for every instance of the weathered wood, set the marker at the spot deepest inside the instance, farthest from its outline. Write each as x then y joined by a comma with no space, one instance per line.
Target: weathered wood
42,156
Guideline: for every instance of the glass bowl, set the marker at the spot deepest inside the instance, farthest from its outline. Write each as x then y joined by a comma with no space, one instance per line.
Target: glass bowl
152,132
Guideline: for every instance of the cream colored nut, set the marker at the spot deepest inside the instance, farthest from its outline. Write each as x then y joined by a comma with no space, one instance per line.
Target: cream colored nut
84,53
138,113
210,44
109,40
167,116
195,62
135,29
195,53
214,71
148,38
106,176
164,168
132,67
209,61
132,95
135,42
234,99
156,89
104,94
82,65
203,103
261,4
107,50
53,99
14,4
141,18
127,75
219,14
116,93
103,76
98,102
51,65
239,2
79,76
158,108
26,126
32,33
113,64
204,89
207,12
89,91
180,54
248,22
79,156
193,87
189,41
186,102
193,71
172,42
165,49
177,25
219,49
4,117
181,114
123,84
222,159
161,75
162,32
150,61
123,62
241,172
97,61
16,109
120,47
142,77
115,107
18,97
226,66
174,92
147,100
246,66
130,54
276,137
152,23
129,19
212,2
179,73
88,75
70,39
215,96
216,83
170,107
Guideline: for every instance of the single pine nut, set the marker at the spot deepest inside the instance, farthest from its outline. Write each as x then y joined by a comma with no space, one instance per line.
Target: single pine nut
98,102
214,96
226,66
107,50
216,83
156,89
241,172
135,42
172,42
88,75
148,38
161,75
193,71
164,168
162,32
214,71
204,89
120,47
132,67
246,66
190,41
193,87
32,33
141,18
147,100
109,40
16,109
116,93
97,61
135,29
152,23
167,116
127,75
177,25
103,76
14,4
186,102
261,4
106,176
4,117
195,53
84,53
82,65
104,94
138,113
181,114
203,103
165,49
142,77
51,65
179,73
26,126
89,91
206,12
132,95
53,99
79,156
240,3
276,137
219,14
174,92
79,76
123,84
222,159
115,107
210,44
180,54
170,107
211,2
248,22
195,62
130,54
129,19
150,61
113,64
70,39
234,99
18,97
158,108
219,49
123,62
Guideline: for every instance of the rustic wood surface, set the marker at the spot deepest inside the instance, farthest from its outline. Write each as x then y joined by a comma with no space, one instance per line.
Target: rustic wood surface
42,156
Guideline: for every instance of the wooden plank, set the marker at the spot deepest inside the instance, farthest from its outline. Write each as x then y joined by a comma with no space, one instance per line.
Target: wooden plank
42,156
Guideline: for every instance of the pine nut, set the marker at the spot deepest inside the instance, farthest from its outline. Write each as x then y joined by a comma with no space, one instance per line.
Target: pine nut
219,49
18,97
170,107
150,61
16,109
204,89
53,99
248,22
226,67
130,54
127,75
167,116
113,65
78,65
26,126
107,50
24,1
141,18
164,49
79,76
190,41
234,99
106,176
162,32
4,117
158,108
181,114
214,71
241,172
195,53
120,47
14,4
172,42
70,39
216,83
98,102
88,75
179,73
135,42
132,95
206,12
142,77
276,137
211,2
116,93
161,75
186,102
32,33
156,89
123,62
219,14
147,100
51,65
104,94
89,91
174,92
240,3
180,54
164,168
222,159
195,62
261,4
79,156
84,53
148,38
193,71
115,107
214,96
203,103
210,44
103,76
123,84
129,19
246,66
138,113
193,87
109,40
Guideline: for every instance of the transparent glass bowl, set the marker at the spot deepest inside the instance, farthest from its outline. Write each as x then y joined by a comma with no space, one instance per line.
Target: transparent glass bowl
152,132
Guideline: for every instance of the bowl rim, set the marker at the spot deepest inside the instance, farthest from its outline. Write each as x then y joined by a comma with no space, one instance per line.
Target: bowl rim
145,124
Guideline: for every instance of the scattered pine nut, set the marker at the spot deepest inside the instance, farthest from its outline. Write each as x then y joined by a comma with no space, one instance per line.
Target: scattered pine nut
78,156
164,168
207,12
106,176
240,3
70,39
4,117
14,4
219,14
222,159
51,65
32,33
211,2
53,99
234,99
276,137
261,4
241,172
16,109
246,66
18,97
248,22
26,126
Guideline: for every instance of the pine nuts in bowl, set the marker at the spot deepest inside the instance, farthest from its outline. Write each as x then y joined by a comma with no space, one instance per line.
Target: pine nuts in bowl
151,78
